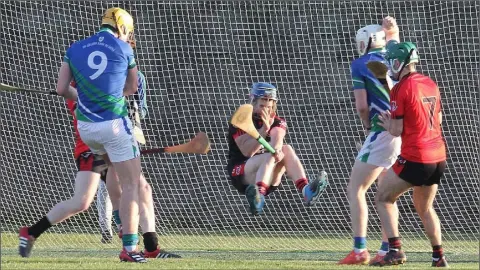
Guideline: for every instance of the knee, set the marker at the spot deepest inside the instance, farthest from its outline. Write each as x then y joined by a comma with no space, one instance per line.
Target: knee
383,197
146,189
288,151
80,205
423,211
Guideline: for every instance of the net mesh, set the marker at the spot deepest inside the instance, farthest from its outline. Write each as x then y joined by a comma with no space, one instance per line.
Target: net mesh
199,59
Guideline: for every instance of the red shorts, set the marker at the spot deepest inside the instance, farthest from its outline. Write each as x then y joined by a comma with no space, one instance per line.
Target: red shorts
89,162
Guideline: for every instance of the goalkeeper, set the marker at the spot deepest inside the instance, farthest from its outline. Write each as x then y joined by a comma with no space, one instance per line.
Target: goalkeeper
380,148
256,173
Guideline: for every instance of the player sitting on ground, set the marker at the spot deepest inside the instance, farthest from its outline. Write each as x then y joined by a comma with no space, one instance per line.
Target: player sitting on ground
91,168
380,148
415,116
256,173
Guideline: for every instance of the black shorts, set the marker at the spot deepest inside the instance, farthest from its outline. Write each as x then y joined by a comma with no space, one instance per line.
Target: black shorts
419,174
237,176
89,162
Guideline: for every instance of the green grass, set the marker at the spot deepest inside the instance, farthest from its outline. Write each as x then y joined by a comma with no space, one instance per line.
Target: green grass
83,251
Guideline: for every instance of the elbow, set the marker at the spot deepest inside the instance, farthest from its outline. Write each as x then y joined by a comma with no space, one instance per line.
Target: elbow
396,132
361,110
61,91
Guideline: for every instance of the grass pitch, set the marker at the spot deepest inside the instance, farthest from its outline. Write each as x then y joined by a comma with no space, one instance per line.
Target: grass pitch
75,251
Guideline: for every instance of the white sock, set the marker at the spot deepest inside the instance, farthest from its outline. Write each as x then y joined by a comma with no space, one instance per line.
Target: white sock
359,250
382,252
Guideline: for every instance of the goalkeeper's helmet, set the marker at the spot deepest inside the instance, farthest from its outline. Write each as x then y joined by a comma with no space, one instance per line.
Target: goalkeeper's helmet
370,36
400,55
263,90
120,20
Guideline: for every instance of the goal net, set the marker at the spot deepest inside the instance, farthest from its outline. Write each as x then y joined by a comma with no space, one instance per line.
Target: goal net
200,58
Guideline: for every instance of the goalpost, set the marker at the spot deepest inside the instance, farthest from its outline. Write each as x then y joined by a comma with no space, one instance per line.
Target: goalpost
199,59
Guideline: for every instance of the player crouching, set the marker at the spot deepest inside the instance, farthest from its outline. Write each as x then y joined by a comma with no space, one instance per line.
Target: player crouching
254,172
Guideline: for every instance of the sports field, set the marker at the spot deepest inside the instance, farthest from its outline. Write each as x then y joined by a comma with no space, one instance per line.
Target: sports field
232,253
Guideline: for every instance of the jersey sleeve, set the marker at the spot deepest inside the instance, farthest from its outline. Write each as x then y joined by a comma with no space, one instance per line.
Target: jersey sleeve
66,57
357,76
280,123
130,57
142,95
398,99
235,132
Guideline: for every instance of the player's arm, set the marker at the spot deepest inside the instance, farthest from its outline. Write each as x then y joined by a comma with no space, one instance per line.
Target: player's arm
390,27
131,84
63,84
360,94
392,120
247,144
277,135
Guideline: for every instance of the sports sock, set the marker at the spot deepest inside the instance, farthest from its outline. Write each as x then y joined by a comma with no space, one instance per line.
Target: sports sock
130,242
40,227
262,188
150,241
116,217
383,248
394,243
437,253
301,183
359,244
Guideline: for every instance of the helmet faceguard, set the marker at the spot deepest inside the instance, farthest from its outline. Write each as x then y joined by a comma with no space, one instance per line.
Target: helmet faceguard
401,55
263,90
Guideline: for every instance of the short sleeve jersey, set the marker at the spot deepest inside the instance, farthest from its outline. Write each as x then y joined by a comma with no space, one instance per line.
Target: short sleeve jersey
235,156
416,100
99,65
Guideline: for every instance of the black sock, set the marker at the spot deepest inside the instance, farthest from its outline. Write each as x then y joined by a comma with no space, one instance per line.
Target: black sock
394,243
437,252
40,227
150,241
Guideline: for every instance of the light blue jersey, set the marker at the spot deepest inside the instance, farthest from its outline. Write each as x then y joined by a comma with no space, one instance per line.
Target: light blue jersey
99,65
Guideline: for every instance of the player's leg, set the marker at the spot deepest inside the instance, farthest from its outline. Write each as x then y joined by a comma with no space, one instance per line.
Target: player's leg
423,197
115,191
147,223
86,183
104,207
244,178
378,152
259,175
124,156
392,187
311,190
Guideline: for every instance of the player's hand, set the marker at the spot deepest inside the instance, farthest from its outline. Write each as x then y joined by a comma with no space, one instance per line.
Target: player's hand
279,155
389,25
385,118
267,119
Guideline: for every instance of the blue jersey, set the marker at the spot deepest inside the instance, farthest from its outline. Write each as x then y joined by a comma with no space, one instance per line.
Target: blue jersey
99,65
378,98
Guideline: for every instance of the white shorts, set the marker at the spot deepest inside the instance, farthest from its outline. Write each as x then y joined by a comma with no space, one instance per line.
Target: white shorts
380,149
112,137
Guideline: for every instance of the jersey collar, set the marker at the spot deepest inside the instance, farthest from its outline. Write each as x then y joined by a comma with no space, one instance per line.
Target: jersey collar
104,29
377,50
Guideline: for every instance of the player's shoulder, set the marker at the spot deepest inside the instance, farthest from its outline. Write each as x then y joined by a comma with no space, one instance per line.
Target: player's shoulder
279,122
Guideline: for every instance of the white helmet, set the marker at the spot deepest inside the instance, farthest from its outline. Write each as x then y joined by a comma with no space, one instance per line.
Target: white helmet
370,36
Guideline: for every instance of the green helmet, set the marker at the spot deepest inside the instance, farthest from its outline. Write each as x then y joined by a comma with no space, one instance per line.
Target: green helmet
401,54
